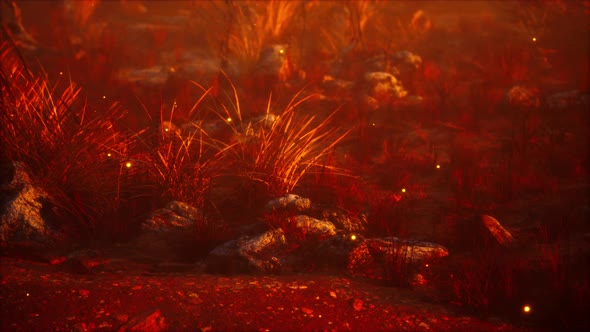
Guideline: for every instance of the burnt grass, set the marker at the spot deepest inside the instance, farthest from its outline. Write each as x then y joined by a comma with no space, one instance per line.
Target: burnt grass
418,169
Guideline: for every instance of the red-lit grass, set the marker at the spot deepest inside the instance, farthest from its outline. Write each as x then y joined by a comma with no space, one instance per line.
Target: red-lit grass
182,162
72,148
280,153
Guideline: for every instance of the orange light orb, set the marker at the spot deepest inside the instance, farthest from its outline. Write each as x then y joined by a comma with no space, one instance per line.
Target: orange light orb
128,164
438,166
104,97
534,39
353,237
228,119
526,309
109,154
403,190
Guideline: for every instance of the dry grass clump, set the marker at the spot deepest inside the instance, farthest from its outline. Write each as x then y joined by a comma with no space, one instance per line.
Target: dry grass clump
278,150
74,151
181,162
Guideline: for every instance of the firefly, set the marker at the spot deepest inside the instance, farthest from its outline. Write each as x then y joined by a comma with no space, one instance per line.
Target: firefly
228,119
61,73
438,166
526,309
109,154
128,164
403,190
353,237
104,97
281,51
534,39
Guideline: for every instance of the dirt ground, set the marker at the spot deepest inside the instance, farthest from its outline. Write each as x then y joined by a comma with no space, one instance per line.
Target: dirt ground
123,295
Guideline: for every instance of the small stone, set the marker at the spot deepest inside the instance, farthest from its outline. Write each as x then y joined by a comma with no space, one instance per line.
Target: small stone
306,310
357,304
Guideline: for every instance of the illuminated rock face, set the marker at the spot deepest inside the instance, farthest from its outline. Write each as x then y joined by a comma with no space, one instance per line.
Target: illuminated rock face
307,242
25,210
379,258
483,232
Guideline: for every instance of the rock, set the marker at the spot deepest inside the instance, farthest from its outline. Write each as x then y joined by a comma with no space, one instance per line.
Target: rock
289,203
26,211
314,228
175,216
396,63
357,304
169,233
334,86
565,99
482,232
335,251
248,254
341,218
383,87
271,60
152,321
523,98
500,235
378,258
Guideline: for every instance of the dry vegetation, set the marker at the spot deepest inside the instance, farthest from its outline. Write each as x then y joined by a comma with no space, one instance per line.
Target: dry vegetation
80,151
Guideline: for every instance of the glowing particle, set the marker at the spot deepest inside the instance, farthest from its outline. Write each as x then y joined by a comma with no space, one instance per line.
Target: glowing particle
228,119
403,190
61,72
27,294
281,51
109,154
166,129
438,166
526,309
104,97
353,237
426,265
534,39
172,70
128,164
